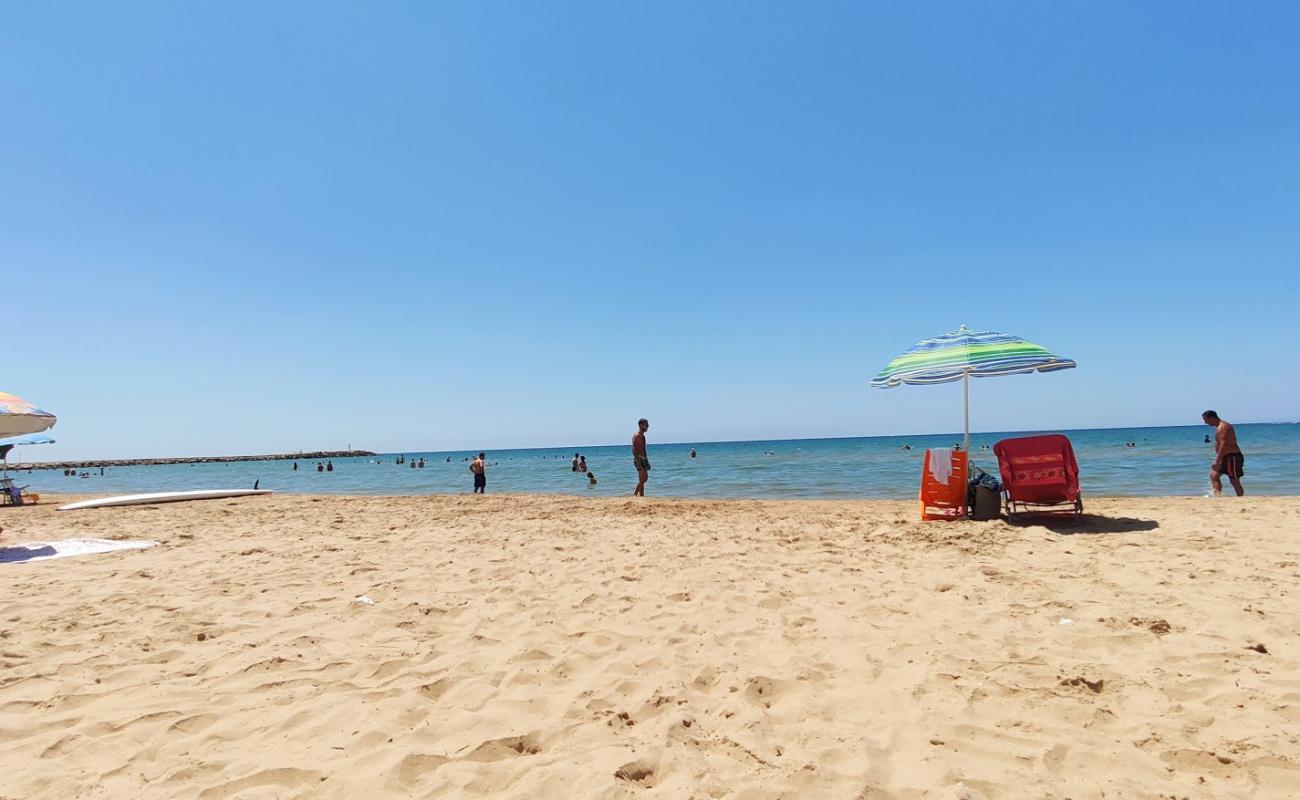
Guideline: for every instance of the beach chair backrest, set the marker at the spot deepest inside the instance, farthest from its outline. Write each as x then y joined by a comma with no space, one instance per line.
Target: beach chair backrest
1038,463
946,498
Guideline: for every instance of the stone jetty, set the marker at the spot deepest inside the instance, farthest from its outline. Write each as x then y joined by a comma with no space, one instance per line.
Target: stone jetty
317,455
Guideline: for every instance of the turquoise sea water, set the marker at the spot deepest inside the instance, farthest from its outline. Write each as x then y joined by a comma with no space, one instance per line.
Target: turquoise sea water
1166,461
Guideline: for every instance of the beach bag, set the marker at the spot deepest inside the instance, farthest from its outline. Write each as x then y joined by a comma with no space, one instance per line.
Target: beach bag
984,496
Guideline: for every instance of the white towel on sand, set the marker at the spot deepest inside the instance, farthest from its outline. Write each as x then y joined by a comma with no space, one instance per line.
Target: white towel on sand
39,551
941,463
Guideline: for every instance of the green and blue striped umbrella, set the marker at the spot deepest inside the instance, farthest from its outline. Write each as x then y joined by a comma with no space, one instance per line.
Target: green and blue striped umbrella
965,354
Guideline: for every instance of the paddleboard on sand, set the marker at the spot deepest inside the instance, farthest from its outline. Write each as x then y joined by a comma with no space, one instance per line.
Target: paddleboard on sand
160,497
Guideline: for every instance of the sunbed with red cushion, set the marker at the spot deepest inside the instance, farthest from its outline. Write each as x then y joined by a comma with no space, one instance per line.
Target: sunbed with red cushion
1039,475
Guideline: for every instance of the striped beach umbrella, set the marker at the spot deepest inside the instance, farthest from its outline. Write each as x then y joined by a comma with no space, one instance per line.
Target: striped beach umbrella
11,442
965,354
17,416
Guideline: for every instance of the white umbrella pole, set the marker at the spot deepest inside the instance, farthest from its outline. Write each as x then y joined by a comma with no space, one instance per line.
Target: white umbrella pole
965,396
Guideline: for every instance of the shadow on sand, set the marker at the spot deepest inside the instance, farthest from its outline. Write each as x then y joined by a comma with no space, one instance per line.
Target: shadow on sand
1087,523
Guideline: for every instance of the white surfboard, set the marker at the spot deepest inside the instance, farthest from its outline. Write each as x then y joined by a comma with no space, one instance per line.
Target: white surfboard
160,497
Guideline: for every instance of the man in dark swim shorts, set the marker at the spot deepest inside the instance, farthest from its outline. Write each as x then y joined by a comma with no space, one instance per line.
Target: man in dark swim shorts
1228,458
639,457
479,467
1233,465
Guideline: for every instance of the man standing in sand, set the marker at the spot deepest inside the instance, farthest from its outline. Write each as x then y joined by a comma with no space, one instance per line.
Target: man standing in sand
479,468
639,457
1228,458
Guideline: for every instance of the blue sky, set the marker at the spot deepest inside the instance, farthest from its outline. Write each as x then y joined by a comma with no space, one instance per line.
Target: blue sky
245,227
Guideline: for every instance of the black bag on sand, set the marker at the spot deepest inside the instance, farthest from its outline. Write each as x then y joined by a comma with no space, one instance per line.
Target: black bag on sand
984,497
986,503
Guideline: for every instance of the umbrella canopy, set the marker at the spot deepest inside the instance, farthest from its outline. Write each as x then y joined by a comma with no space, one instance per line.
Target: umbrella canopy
17,416
8,444
31,438
965,354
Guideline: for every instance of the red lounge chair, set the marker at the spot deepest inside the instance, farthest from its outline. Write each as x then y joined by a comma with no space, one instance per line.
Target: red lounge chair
947,499
1039,475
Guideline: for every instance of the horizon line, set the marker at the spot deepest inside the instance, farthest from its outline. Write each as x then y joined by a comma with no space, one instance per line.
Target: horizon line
688,442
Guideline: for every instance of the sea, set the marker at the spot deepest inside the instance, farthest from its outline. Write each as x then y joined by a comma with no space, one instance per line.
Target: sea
1113,462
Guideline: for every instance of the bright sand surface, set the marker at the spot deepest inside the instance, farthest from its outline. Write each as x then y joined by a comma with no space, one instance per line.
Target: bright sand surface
557,647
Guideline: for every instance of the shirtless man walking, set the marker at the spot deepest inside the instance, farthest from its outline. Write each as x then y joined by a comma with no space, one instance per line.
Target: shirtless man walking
639,457
479,468
1228,459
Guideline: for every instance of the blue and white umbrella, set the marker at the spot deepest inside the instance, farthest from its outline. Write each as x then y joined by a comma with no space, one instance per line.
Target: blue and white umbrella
964,354
9,443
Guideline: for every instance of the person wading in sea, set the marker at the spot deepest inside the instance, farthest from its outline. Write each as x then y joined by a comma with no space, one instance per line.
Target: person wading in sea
479,468
639,458
1228,458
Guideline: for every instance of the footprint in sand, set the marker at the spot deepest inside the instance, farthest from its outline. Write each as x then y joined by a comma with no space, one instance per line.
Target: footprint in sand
435,690
638,772
193,724
283,778
509,747
414,767
763,691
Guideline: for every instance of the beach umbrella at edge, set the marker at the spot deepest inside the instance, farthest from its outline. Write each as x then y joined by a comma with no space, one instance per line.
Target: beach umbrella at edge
10,443
17,416
964,354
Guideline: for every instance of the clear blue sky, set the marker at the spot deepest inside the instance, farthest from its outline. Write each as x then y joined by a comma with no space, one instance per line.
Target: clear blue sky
251,227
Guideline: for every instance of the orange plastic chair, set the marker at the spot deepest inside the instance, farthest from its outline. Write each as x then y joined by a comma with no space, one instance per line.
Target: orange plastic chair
944,500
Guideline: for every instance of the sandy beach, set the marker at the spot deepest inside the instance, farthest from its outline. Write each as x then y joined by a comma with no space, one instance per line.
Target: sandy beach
559,647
